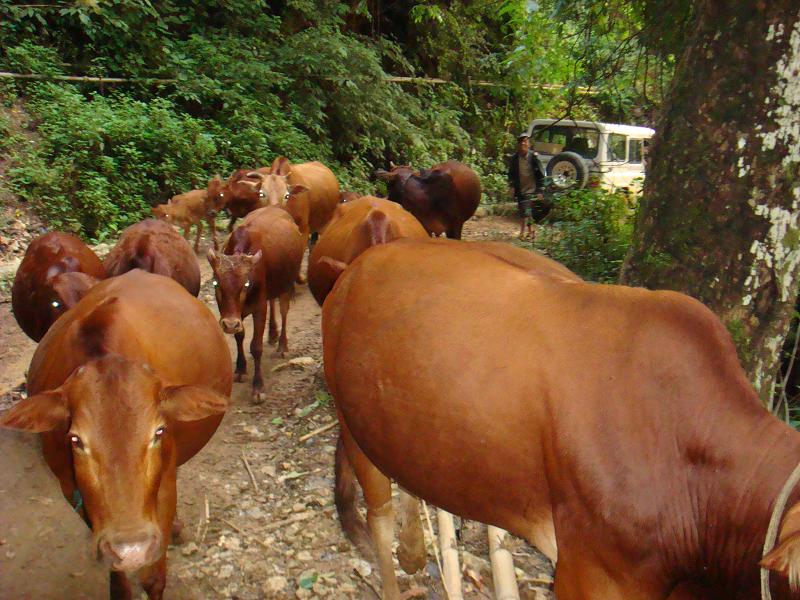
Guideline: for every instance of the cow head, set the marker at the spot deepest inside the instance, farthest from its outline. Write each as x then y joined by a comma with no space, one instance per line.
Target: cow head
116,417
65,290
395,180
233,278
275,189
217,195
163,212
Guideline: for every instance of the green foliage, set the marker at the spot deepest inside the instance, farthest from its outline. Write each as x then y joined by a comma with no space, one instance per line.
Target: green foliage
590,233
102,162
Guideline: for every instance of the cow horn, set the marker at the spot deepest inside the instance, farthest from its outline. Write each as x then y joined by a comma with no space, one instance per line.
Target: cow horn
392,165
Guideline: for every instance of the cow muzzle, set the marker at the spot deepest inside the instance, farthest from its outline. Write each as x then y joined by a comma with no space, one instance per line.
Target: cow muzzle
231,325
130,551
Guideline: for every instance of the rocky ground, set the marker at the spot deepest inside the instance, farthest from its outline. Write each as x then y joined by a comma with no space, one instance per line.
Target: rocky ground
257,502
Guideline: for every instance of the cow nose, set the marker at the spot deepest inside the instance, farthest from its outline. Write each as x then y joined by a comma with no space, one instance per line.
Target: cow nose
130,552
231,325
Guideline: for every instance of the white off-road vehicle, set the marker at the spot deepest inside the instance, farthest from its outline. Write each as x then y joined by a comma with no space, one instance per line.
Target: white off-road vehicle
586,153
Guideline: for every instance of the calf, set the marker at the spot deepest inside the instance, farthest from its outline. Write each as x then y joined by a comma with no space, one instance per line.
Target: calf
443,197
120,406
259,263
155,246
185,210
57,270
356,226
612,427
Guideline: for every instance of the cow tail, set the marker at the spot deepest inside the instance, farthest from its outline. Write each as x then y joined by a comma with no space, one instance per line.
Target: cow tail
142,257
379,227
345,496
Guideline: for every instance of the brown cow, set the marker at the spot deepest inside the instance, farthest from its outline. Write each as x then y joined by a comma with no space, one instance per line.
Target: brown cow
309,191
238,195
185,210
442,197
120,406
259,263
57,270
154,246
612,427
356,226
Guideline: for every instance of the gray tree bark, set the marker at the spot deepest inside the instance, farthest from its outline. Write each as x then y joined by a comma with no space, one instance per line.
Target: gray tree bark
719,215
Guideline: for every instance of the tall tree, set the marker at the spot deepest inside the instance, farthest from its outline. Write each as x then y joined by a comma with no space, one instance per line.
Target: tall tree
719,216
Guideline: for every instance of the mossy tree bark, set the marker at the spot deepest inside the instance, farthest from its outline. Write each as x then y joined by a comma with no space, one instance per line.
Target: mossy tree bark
719,215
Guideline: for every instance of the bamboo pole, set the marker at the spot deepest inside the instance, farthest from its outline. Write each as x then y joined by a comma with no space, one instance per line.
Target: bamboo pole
505,580
447,540
82,78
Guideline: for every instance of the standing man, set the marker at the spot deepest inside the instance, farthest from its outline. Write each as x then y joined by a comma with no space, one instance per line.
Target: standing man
526,180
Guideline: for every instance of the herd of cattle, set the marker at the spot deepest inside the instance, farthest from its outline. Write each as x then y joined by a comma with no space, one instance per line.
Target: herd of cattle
612,427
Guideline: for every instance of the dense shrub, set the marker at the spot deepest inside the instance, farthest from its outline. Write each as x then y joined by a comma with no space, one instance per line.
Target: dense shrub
590,232
101,162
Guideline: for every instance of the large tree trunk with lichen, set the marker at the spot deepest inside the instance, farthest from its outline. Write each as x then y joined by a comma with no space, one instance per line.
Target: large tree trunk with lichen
719,216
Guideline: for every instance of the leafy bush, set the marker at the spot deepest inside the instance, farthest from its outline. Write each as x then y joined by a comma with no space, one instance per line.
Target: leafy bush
103,161
590,233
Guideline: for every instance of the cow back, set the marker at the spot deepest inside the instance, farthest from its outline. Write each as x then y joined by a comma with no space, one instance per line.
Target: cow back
47,257
356,226
154,246
322,195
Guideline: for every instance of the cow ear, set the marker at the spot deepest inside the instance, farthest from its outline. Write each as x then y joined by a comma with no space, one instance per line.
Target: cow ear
212,257
191,402
297,188
785,558
385,175
43,412
331,267
256,257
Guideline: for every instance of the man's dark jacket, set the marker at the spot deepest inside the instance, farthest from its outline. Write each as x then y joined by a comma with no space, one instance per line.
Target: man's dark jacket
513,172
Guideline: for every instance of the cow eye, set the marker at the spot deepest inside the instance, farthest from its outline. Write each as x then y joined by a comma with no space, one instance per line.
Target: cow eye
214,282
55,304
286,197
247,284
76,442
159,434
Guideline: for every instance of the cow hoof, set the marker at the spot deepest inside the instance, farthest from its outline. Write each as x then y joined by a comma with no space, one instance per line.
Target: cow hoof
272,340
300,279
177,532
239,376
259,396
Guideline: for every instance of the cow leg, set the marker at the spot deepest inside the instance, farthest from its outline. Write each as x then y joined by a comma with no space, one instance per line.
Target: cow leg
454,233
256,349
230,225
411,552
241,361
345,496
283,342
154,578
580,577
377,490
273,326
212,225
199,226
187,230
119,586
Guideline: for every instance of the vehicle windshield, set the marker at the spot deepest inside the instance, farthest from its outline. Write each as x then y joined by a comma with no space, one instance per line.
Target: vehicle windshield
565,138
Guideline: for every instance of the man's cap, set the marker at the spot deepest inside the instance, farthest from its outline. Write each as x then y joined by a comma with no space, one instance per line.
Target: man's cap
523,135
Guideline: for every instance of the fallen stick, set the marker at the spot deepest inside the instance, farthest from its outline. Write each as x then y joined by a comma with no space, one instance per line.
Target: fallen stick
505,580
322,429
250,472
289,520
369,583
447,541
435,546
252,536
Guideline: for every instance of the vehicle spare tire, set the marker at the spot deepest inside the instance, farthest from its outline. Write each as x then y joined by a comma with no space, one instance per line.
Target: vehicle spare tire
568,171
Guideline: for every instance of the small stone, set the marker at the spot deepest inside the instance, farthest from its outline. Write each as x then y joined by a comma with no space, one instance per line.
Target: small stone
361,566
304,555
76,574
302,362
189,549
277,583
10,554
225,572
298,507
303,593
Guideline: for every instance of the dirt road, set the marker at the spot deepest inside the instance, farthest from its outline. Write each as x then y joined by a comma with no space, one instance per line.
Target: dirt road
275,538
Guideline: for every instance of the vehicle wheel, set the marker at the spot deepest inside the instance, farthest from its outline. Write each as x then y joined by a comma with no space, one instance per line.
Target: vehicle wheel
568,171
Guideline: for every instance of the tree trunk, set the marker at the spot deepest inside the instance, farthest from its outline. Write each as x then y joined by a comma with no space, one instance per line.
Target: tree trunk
719,216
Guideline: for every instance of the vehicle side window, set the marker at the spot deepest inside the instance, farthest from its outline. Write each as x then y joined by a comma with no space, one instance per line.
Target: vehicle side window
635,152
616,147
